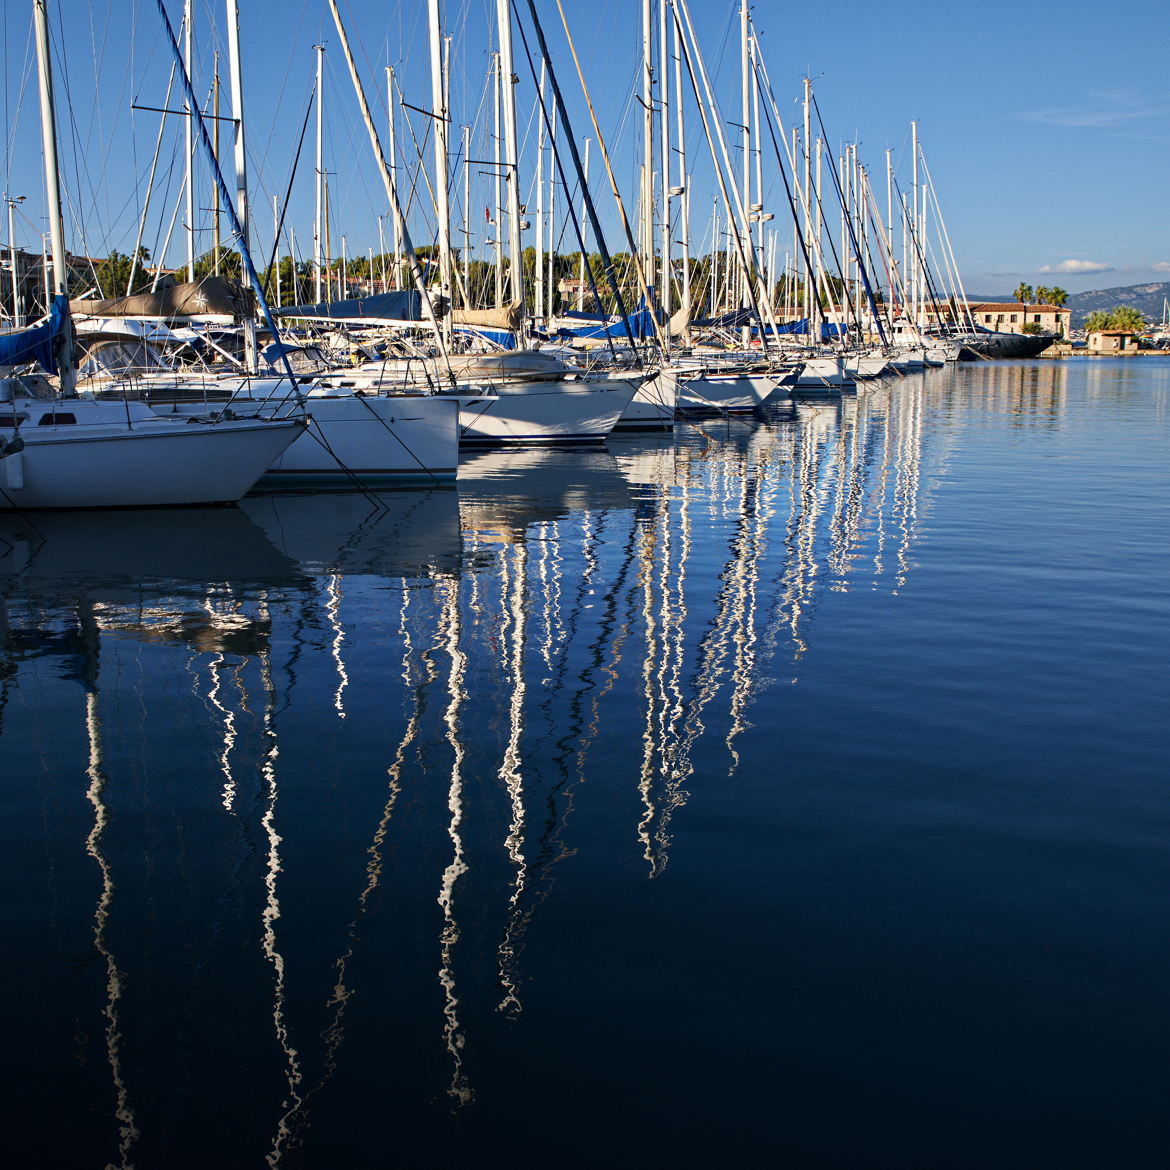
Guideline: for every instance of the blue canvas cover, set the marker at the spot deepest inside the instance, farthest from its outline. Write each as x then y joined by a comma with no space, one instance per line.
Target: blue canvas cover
38,344
801,328
403,305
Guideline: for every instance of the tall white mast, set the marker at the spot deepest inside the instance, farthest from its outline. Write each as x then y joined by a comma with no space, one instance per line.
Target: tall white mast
757,207
65,367
393,146
215,208
745,136
189,135
683,186
497,208
237,84
647,192
276,246
584,222
319,217
914,272
512,150
539,267
466,217
810,290
552,219
442,168
389,184
664,294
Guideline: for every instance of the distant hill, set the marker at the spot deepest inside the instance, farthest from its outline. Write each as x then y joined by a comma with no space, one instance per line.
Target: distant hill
1146,298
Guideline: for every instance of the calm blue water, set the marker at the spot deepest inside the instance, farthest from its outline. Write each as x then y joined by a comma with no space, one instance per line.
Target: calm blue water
792,793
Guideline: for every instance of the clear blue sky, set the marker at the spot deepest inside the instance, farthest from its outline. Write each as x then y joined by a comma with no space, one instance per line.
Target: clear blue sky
1046,128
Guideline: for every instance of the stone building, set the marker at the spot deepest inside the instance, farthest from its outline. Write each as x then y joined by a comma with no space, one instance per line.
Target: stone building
1011,317
1113,341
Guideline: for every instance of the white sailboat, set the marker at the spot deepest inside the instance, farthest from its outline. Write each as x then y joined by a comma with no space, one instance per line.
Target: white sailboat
71,452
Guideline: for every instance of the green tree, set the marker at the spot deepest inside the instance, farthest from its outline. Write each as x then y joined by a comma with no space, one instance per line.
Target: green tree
1024,293
1127,317
230,265
1121,317
1043,294
1057,296
113,273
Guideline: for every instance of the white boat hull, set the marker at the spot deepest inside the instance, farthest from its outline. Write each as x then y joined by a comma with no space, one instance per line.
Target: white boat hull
724,393
553,412
654,405
824,374
373,440
151,464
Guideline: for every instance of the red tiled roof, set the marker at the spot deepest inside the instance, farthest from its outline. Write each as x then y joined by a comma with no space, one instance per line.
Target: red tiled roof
1016,307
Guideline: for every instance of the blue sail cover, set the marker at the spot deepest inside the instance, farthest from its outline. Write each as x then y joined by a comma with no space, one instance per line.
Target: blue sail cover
641,325
733,320
504,338
37,344
828,330
404,305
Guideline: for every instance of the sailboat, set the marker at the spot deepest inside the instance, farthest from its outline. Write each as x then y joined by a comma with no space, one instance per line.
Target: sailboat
66,451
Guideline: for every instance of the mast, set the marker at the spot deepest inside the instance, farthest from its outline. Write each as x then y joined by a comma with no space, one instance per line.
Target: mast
552,213
496,138
467,217
508,81
189,135
442,163
745,133
318,255
664,294
915,271
64,347
215,208
539,267
17,314
647,142
388,183
683,187
237,86
584,230
276,246
393,144
810,291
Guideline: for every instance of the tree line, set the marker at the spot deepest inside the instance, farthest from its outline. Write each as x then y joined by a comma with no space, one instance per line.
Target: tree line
1040,295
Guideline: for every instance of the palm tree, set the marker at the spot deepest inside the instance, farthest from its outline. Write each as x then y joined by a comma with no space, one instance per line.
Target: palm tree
1043,295
1057,296
1023,293
1128,318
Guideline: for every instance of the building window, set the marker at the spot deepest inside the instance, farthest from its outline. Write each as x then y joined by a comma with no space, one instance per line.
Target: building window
1013,318
1037,318
986,318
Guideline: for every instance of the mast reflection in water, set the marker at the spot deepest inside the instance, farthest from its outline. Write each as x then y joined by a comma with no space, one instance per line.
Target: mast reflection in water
576,812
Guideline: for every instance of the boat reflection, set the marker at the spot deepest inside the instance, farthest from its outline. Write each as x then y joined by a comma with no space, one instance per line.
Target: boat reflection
399,716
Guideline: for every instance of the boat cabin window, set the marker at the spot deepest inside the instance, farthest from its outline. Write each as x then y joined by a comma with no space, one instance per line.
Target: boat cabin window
55,420
12,420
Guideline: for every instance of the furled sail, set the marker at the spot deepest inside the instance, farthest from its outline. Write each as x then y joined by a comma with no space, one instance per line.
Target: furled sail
213,296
